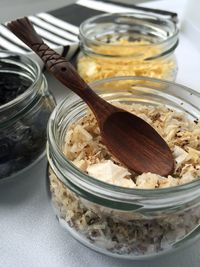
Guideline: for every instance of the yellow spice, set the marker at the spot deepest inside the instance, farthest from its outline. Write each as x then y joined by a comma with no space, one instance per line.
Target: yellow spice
125,58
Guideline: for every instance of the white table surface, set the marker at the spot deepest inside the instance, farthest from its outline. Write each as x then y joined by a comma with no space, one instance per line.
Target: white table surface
30,235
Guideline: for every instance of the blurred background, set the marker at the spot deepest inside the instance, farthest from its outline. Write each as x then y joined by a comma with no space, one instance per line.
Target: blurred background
10,9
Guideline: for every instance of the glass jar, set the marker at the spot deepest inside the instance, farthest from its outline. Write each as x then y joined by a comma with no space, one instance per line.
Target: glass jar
23,120
117,221
127,44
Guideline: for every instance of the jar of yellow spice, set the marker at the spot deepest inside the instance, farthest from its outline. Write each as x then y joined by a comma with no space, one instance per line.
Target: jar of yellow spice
127,44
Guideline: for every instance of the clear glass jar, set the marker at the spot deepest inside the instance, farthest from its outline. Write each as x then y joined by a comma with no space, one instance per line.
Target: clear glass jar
127,44
117,221
23,120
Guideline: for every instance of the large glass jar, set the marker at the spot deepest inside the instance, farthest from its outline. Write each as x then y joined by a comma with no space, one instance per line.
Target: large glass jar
23,120
117,221
127,44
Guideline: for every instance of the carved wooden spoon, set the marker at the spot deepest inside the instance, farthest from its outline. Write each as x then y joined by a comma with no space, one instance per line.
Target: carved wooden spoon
130,139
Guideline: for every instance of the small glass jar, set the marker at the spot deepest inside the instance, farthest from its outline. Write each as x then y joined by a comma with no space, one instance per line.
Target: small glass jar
127,44
117,221
23,120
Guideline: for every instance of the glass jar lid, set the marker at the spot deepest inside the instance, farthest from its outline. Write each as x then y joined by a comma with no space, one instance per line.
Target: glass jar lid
142,90
138,29
22,72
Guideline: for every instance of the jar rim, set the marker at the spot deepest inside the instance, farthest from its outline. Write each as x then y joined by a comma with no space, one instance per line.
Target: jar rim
34,64
95,42
87,181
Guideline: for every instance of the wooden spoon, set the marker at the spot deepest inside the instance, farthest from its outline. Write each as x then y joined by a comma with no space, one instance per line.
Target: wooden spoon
130,139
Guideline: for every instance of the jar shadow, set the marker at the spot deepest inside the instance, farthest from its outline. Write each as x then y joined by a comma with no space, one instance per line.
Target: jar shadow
23,187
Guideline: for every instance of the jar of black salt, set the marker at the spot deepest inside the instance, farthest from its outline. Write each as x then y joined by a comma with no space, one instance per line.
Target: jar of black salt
25,106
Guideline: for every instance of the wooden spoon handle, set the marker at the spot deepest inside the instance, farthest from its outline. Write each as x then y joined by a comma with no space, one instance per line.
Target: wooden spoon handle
59,66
